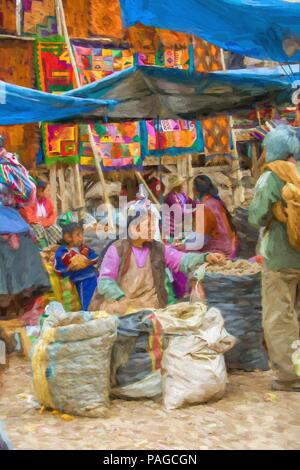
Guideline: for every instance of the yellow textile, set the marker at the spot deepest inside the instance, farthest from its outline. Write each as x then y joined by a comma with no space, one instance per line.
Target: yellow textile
290,215
63,290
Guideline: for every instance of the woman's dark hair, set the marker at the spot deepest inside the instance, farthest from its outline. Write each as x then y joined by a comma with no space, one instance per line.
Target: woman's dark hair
204,186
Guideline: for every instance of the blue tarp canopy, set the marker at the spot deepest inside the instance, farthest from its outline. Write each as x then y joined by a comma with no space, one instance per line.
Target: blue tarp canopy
147,92
266,29
19,105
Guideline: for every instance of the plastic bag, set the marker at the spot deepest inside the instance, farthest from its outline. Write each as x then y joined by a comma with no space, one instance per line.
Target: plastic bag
4,442
71,362
193,366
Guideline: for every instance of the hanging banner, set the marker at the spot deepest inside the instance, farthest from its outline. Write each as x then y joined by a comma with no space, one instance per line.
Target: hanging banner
39,17
175,137
95,62
119,144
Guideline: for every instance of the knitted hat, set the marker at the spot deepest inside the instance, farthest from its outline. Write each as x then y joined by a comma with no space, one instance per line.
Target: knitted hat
281,143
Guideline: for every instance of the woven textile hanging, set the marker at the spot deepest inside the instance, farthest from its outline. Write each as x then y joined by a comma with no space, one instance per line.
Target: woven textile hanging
8,16
39,17
95,61
105,19
76,13
55,75
216,131
17,66
173,40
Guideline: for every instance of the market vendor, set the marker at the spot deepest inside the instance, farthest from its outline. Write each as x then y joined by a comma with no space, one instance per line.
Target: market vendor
176,199
132,274
217,230
21,270
42,216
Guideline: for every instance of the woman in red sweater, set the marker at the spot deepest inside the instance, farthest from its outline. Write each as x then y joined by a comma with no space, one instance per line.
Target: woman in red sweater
42,217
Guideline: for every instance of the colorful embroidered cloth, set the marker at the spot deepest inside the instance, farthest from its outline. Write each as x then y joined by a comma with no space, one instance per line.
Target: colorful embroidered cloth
54,69
168,58
95,62
175,137
217,137
61,143
119,144
15,180
55,75
39,17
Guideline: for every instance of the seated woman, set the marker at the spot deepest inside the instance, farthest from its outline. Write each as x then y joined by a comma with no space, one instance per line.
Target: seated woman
42,217
218,232
21,270
78,261
132,275
176,198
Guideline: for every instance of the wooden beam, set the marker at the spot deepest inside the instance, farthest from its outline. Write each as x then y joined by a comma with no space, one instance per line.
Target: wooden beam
62,190
53,185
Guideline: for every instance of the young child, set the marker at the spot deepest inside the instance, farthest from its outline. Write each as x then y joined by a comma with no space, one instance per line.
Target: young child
78,261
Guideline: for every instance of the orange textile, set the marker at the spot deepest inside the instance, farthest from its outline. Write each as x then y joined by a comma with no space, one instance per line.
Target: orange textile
216,134
173,40
7,16
207,56
143,38
17,67
76,17
105,19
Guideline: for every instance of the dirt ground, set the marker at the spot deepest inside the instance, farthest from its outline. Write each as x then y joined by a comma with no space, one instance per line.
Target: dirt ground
248,417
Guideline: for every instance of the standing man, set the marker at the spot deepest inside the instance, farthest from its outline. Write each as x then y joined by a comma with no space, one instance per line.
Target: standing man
281,273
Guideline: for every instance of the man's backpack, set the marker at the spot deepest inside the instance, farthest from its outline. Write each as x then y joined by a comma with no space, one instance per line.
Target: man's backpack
287,210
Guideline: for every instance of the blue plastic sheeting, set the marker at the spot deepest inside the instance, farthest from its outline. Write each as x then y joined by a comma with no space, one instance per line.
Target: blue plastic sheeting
266,29
148,92
19,105
11,221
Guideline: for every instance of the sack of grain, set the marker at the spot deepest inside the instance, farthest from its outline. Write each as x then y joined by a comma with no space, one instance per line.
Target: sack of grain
71,361
236,291
136,357
248,236
193,366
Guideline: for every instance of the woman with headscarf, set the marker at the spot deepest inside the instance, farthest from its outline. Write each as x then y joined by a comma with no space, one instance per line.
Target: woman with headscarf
178,202
218,233
21,269
132,274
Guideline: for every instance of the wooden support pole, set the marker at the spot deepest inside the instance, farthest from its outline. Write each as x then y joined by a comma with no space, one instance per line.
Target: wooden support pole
190,174
53,185
62,190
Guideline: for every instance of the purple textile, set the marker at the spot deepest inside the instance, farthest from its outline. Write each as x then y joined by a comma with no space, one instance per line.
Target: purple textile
179,284
111,262
180,200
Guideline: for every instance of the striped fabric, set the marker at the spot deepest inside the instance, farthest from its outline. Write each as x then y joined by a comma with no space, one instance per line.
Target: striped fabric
16,186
